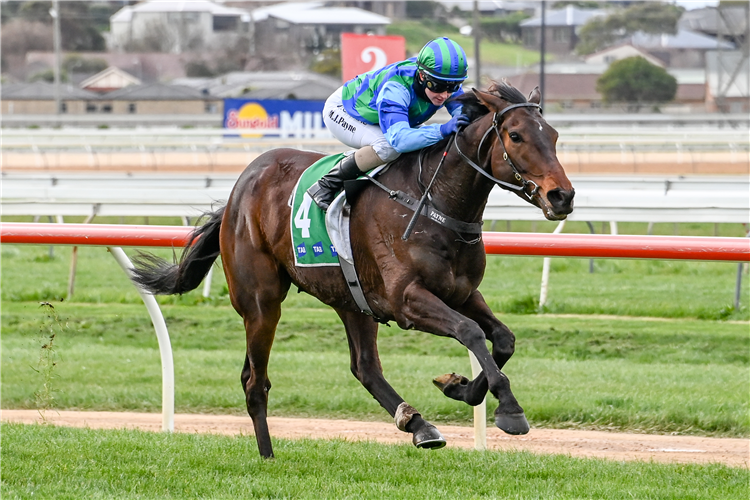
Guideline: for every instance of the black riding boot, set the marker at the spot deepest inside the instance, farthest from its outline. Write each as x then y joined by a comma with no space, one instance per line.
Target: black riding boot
325,190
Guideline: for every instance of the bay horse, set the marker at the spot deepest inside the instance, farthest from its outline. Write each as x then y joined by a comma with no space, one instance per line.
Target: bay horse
427,282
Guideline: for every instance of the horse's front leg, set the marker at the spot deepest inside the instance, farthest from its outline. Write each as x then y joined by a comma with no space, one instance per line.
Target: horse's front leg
362,332
472,392
457,386
424,311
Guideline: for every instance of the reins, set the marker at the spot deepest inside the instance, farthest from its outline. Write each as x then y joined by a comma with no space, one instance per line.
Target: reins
444,220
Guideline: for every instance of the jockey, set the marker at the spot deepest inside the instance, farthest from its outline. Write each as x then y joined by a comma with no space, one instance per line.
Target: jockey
379,112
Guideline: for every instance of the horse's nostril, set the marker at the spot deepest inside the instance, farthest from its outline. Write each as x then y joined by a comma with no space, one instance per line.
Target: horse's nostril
560,198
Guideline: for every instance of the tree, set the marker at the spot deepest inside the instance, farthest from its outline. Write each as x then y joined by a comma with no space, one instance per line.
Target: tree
637,82
648,17
505,29
77,31
419,9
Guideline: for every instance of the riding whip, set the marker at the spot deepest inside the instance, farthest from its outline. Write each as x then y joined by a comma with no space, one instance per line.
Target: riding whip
423,200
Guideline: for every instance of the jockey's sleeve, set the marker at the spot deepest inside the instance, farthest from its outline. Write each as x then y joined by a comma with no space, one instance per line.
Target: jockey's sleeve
393,114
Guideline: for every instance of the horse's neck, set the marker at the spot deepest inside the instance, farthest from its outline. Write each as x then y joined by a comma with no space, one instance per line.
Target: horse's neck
459,190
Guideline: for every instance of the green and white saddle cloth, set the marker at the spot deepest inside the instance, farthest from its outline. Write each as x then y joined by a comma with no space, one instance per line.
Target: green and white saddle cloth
310,239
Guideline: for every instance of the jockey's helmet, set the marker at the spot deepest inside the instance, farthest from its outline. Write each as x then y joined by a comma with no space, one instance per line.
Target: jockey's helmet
443,59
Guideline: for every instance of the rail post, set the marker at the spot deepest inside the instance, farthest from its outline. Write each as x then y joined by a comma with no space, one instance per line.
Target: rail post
165,346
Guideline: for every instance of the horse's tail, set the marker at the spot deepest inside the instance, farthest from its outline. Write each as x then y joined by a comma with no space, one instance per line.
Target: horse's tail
159,277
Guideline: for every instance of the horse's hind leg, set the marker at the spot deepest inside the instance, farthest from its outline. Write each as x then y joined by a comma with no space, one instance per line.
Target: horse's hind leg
257,290
362,333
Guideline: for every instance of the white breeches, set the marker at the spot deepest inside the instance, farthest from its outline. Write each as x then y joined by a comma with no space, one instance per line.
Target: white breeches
353,132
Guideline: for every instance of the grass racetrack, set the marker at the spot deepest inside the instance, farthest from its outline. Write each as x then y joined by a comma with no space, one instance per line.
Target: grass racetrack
638,346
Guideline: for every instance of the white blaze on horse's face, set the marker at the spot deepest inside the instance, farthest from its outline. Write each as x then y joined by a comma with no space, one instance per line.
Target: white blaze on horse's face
531,157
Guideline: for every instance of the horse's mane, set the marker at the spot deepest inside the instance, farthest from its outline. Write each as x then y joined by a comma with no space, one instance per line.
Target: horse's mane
474,109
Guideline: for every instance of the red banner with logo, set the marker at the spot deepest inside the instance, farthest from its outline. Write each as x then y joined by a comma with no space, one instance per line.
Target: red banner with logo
363,53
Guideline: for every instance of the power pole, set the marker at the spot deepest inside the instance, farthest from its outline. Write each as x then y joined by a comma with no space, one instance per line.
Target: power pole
55,13
476,30
542,52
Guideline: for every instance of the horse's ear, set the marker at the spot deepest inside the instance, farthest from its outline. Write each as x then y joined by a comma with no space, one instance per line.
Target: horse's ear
491,101
535,96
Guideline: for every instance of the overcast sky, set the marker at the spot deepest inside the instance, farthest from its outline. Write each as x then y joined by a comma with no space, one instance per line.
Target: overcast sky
697,4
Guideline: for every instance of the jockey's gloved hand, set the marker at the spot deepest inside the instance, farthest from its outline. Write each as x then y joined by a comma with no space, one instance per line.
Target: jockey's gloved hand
454,124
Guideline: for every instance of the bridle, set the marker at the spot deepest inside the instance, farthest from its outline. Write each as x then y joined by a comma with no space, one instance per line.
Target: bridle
528,187
460,227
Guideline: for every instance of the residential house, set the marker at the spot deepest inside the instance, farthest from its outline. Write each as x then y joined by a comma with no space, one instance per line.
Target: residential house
685,49
176,26
297,30
561,29
621,51
572,88
394,9
301,85
38,98
159,99
491,7
727,22
146,67
108,80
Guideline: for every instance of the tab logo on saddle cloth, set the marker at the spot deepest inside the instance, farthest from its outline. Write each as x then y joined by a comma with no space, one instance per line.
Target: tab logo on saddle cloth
310,240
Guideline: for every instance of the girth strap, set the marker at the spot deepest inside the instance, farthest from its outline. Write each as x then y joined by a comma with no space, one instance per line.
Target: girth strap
432,213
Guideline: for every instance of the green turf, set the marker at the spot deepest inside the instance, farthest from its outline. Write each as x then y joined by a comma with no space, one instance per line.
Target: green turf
669,362
48,462
684,376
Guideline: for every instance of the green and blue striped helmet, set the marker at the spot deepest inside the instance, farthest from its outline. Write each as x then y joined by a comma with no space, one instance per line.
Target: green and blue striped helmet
444,59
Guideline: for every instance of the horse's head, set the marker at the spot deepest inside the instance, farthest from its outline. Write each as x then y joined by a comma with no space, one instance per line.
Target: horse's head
520,147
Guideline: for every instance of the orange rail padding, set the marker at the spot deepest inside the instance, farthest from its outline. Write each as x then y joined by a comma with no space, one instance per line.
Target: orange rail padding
108,235
619,246
547,245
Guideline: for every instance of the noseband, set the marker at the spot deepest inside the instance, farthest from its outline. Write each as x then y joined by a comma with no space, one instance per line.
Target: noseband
532,186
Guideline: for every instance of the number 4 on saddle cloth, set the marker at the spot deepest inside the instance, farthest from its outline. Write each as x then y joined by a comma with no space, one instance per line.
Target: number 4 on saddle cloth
318,240
322,238
312,244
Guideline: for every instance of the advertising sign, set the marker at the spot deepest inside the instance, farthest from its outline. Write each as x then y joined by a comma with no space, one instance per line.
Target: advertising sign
363,53
276,117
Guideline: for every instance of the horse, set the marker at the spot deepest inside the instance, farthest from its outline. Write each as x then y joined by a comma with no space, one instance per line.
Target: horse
428,281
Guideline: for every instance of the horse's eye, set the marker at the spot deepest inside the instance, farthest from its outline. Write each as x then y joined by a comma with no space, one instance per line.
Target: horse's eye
515,137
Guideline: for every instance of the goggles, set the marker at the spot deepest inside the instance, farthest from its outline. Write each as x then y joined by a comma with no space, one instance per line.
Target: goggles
440,86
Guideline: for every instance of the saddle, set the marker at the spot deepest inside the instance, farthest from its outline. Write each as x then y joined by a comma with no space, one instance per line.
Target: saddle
323,239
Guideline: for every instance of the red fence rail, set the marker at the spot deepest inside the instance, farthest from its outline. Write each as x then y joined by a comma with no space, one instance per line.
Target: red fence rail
547,245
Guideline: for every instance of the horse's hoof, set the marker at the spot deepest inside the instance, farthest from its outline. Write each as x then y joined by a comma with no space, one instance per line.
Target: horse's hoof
512,423
449,379
428,437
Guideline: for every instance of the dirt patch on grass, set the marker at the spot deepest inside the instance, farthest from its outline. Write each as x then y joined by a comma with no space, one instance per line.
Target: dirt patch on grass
591,444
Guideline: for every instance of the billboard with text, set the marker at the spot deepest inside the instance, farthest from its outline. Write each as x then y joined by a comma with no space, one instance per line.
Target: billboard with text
363,53
276,117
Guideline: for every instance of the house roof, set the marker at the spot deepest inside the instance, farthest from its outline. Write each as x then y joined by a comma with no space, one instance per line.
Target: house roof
570,87
262,13
684,39
126,13
43,91
559,87
266,85
109,78
331,15
485,5
707,20
156,92
569,16
625,47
